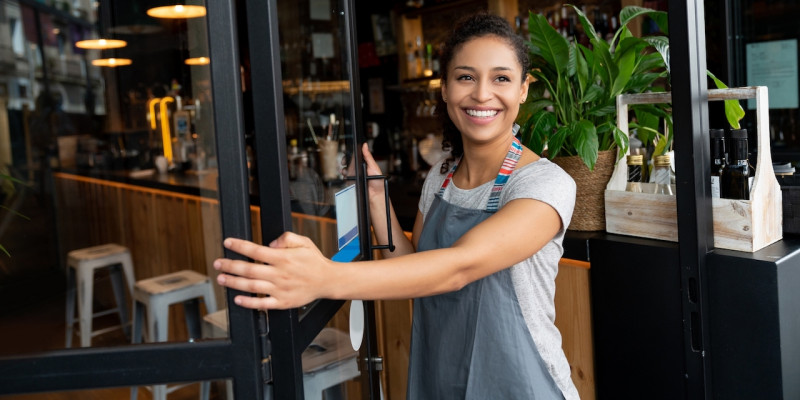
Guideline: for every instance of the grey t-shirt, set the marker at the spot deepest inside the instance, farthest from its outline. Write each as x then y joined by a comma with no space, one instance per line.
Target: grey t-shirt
533,278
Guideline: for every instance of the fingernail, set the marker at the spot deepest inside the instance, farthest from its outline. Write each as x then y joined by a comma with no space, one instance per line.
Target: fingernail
237,300
217,264
221,279
227,243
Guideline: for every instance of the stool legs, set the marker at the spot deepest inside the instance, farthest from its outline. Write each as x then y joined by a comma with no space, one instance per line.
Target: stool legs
71,293
122,301
85,296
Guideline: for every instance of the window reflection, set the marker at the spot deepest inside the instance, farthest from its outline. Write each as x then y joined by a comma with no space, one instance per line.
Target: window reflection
106,137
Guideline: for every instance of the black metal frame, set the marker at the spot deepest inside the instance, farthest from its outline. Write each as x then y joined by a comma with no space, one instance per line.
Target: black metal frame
239,356
289,331
695,225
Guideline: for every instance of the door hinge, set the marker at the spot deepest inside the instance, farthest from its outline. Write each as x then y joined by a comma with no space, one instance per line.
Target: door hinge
266,348
377,363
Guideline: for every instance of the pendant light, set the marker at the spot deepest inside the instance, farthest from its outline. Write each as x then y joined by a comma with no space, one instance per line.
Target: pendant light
178,11
100,44
112,62
197,61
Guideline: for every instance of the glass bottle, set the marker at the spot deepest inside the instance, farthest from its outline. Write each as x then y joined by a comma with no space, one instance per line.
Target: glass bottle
661,175
735,181
718,159
635,173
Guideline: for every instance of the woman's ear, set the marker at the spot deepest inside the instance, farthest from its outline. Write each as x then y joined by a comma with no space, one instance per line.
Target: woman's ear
444,92
523,91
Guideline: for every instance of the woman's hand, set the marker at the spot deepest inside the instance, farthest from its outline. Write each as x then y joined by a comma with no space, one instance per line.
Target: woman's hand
375,186
294,272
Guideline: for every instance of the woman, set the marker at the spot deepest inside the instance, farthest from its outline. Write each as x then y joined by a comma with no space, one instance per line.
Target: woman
484,250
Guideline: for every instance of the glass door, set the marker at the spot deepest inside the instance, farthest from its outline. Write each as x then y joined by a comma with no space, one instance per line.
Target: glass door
302,79
122,165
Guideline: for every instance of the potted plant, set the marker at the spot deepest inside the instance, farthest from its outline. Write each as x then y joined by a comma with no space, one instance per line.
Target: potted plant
570,114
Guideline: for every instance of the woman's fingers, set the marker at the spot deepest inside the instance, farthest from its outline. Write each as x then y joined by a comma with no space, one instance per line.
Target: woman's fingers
372,166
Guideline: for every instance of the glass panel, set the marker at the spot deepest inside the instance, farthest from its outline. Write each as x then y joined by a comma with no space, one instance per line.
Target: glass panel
104,145
320,139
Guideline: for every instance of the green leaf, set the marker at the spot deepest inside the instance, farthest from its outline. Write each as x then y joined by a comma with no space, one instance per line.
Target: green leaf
586,143
621,140
556,142
542,124
587,26
630,12
3,249
593,93
548,43
649,62
640,82
15,212
661,44
661,19
582,70
604,62
572,64
625,65
733,109
602,110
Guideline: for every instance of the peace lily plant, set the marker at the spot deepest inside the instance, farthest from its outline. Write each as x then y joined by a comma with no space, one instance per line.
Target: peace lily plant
571,106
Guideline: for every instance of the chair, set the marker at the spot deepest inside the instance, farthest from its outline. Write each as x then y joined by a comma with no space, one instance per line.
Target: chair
154,296
81,266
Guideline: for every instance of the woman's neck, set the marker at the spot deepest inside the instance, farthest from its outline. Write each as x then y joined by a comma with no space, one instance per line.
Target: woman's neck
481,162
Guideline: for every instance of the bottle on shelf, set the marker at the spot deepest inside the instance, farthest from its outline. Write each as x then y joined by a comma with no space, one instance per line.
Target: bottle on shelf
419,57
411,61
634,173
661,175
735,180
718,160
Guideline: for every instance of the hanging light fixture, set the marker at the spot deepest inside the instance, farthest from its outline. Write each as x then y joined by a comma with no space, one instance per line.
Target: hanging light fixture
112,62
197,61
178,11
101,44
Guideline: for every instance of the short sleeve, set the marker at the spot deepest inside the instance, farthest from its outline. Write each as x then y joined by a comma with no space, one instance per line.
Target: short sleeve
546,182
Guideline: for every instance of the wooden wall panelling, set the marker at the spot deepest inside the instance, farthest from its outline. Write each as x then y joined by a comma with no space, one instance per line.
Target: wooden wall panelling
573,320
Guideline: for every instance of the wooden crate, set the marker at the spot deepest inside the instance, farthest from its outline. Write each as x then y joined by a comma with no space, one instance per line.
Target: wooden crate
744,225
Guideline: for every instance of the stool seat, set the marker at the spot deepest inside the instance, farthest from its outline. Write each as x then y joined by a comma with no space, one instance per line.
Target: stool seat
153,296
81,265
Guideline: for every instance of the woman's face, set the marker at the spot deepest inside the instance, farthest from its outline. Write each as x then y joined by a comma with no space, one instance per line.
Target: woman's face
484,89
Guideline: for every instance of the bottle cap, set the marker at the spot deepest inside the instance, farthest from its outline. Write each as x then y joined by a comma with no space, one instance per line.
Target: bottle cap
739,133
662,161
716,133
635,159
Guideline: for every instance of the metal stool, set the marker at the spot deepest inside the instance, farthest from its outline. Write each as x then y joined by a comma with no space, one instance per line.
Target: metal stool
328,362
81,265
156,295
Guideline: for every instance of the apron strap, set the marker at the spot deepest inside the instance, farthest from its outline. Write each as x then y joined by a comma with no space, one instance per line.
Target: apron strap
509,163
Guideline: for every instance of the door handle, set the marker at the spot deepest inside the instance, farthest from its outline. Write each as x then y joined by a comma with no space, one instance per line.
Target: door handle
389,246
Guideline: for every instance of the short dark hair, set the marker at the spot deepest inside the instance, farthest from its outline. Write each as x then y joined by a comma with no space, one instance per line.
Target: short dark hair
467,28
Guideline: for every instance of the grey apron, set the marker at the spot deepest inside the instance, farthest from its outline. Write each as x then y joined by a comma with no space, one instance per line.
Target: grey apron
473,343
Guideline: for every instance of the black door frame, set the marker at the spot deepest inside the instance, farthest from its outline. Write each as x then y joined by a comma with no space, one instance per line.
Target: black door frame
240,357
289,331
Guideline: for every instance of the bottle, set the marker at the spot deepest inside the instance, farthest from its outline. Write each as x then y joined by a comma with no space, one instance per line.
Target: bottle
735,181
718,160
419,57
292,157
635,173
661,175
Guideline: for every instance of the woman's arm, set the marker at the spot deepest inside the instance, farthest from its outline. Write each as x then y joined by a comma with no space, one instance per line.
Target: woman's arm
377,213
296,273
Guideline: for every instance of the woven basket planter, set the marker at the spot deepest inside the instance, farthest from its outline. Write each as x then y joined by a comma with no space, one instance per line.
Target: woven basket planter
589,214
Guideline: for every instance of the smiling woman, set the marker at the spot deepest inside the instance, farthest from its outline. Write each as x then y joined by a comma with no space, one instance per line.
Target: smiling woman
484,250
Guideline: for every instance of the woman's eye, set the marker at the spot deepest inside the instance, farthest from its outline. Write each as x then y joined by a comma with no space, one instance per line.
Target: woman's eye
464,78
503,79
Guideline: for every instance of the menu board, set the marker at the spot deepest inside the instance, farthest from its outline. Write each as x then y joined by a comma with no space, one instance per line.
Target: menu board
774,65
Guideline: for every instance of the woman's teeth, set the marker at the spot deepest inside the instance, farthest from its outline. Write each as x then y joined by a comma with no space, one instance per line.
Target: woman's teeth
482,114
